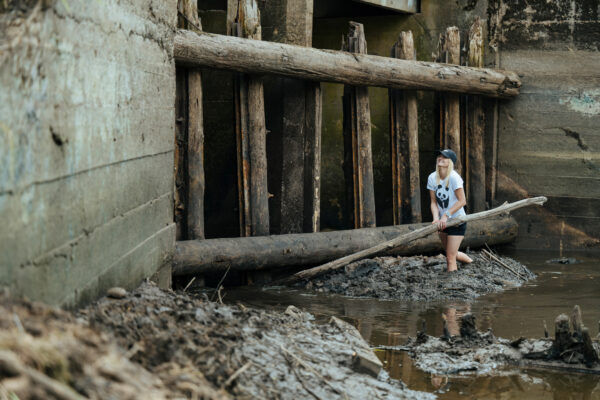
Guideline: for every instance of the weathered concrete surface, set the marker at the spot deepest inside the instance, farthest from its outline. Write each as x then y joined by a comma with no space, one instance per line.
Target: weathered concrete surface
548,136
87,122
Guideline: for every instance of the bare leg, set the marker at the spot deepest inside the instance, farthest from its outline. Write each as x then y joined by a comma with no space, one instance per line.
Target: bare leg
452,245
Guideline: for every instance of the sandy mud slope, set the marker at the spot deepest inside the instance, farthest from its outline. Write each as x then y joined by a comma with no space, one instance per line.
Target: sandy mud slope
421,278
155,344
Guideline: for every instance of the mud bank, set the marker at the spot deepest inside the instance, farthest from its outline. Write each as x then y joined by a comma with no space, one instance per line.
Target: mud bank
158,344
481,353
422,278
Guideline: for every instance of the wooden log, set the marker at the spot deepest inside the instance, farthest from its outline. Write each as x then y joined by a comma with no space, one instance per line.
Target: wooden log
260,57
308,249
451,135
475,173
250,132
358,161
404,136
406,238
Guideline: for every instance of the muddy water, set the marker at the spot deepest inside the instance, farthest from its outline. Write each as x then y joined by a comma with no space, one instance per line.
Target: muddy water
514,313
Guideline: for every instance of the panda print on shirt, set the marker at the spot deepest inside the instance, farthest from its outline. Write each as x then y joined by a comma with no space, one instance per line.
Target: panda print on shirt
442,195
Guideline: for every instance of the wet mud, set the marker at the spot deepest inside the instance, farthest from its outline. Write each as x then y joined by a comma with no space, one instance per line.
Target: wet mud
481,353
158,344
423,278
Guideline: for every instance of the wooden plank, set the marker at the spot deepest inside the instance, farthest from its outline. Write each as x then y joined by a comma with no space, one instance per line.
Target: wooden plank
358,161
404,138
260,57
250,131
476,128
307,249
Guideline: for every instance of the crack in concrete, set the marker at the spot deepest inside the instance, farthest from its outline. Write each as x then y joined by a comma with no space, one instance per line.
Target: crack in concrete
576,136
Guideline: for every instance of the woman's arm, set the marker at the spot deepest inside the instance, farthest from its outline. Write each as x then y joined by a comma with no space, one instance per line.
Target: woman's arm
434,208
460,202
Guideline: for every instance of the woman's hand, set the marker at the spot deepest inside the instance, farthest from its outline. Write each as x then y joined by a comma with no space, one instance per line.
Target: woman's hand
442,222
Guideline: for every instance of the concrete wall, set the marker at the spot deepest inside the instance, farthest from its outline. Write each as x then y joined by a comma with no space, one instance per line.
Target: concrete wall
549,141
86,126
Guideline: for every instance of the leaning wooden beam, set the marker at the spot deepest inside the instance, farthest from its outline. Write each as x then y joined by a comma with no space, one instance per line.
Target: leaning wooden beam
404,138
253,56
308,249
250,133
407,238
358,159
475,173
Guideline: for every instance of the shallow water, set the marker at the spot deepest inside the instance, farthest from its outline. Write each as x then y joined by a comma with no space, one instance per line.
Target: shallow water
511,314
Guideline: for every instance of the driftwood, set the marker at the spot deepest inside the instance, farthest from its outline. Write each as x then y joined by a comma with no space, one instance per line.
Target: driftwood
403,239
261,57
309,249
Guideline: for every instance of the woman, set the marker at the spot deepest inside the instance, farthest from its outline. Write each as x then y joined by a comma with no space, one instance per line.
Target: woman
447,201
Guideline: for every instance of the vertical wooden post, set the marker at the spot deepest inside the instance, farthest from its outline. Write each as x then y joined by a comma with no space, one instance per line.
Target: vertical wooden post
189,152
299,200
404,135
358,162
475,128
250,131
451,135
312,157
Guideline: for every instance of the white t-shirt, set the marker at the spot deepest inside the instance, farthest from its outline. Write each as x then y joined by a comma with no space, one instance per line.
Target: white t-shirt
446,197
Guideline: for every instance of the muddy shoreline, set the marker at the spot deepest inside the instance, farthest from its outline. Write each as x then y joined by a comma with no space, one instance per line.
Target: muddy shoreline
423,278
471,352
159,344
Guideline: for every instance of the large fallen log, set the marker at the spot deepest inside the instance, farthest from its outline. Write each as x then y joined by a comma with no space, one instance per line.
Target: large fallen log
306,249
260,57
403,240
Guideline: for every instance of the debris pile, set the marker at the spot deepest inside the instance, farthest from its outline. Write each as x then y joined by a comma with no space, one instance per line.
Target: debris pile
482,353
163,345
422,278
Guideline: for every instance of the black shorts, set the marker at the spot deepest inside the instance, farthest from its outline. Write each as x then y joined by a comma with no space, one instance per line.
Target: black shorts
457,230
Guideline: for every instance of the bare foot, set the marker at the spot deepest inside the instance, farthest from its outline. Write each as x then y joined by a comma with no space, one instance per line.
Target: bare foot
463,258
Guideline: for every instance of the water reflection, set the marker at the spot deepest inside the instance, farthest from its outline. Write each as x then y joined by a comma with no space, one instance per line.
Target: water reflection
517,312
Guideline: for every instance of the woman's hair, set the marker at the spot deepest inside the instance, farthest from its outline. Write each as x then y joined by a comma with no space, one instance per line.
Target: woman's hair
437,173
